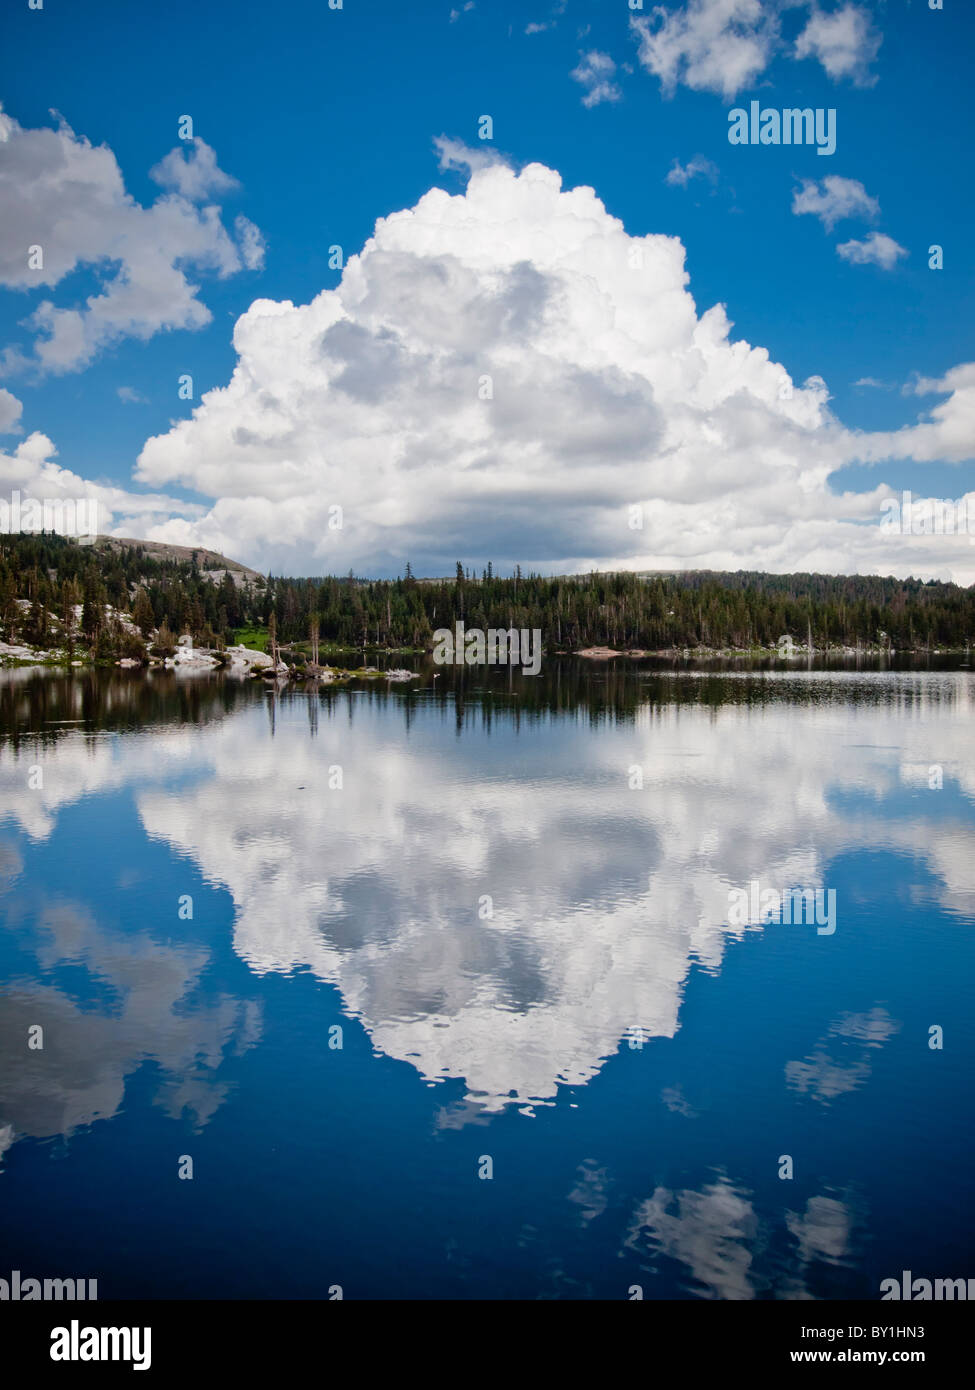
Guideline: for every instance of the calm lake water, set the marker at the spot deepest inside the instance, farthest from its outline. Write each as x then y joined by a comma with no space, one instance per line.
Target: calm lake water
532,965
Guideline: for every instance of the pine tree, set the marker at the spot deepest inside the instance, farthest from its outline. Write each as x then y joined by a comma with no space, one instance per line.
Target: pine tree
165,644
91,613
142,614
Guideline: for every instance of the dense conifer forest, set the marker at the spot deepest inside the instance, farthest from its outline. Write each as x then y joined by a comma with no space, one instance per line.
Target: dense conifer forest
55,593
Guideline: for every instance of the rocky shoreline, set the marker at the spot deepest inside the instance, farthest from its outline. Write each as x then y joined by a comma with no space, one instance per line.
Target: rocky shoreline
243,662
249,663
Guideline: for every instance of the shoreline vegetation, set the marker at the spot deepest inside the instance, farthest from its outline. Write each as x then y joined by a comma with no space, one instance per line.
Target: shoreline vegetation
134,604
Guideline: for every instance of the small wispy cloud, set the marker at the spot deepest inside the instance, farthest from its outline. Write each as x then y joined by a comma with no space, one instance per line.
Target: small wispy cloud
724,46
131,396
846,42
708,45
596,72
250,242
833,200
11,410
875,383
877,249
454,154
193,173
539,26
698,167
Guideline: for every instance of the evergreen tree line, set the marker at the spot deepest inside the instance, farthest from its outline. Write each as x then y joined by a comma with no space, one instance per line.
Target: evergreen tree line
45,579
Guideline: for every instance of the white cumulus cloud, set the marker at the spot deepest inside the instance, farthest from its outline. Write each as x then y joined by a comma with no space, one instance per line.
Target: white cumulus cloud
504,375
31,471
67,197
949,431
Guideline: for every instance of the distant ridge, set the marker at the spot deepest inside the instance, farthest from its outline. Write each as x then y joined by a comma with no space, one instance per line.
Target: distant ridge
161,550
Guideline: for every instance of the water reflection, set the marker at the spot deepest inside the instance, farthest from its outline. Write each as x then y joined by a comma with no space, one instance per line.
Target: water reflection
824,1075
709,1232
724,1249
79,1074
504,909
471,876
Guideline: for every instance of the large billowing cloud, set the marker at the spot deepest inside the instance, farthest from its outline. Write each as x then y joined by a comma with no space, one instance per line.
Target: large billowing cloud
67,197
506,375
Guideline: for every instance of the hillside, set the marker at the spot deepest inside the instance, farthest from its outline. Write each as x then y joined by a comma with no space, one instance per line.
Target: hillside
209,561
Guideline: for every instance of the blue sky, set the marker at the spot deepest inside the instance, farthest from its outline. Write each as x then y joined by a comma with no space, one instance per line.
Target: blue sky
326,119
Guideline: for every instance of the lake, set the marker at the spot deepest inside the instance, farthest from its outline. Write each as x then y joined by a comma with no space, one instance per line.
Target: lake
472,989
